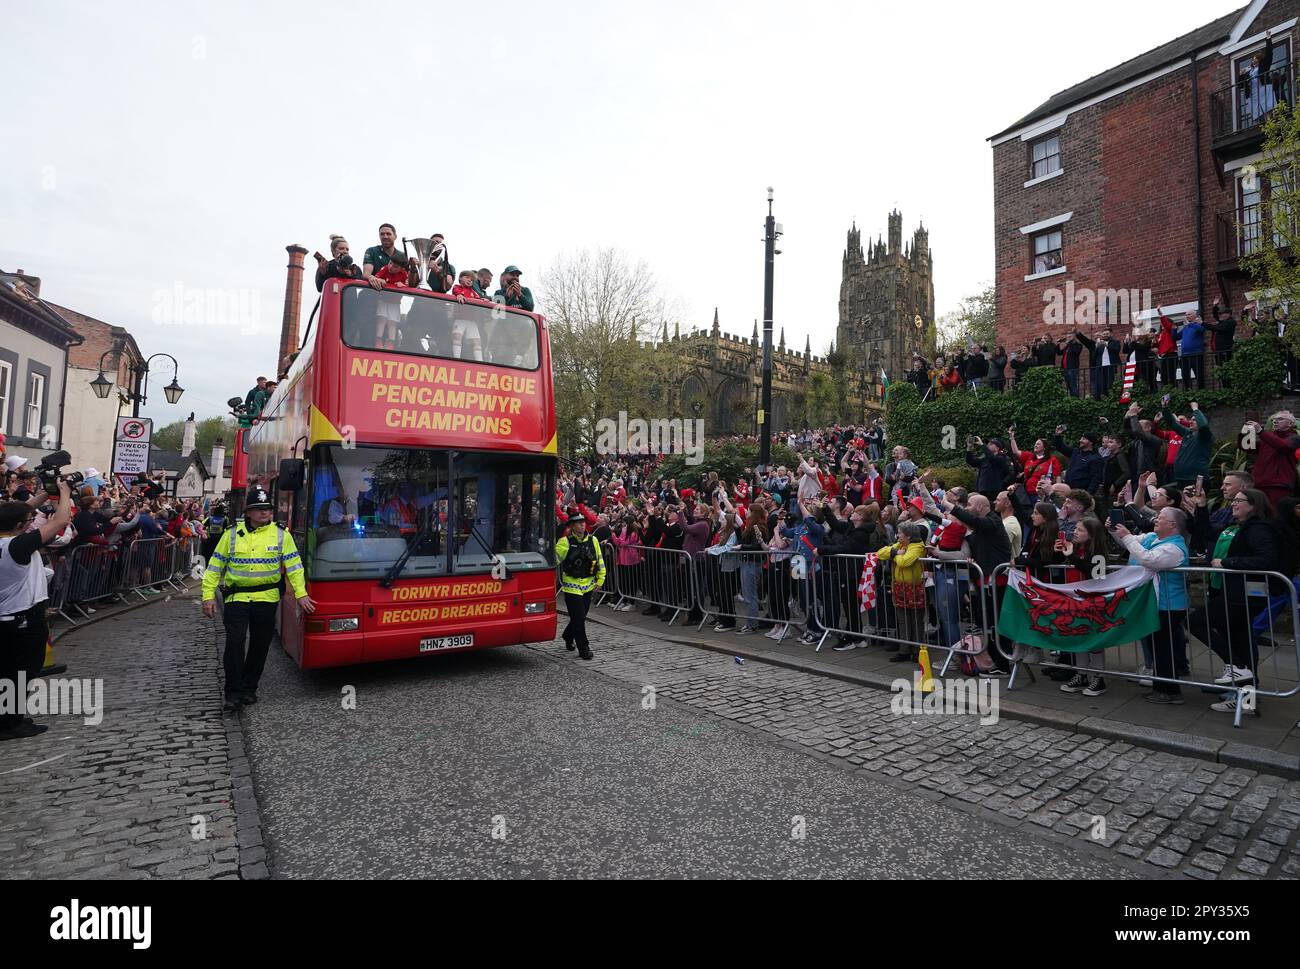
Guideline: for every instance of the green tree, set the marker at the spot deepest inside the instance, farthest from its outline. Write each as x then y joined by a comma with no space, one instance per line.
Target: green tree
1273,236
974,321
206,432
840,384
821,400
600,309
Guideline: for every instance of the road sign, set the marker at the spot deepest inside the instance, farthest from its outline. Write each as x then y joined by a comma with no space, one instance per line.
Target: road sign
131,445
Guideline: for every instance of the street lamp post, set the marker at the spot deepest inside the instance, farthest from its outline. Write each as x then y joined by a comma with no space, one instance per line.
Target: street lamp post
769,266
102,385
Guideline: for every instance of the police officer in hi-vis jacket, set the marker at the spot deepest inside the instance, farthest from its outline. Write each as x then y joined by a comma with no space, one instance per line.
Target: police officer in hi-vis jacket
582,571
247,565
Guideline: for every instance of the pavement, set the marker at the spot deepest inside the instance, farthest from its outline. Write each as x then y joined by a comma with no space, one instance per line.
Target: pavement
1268,742
149,792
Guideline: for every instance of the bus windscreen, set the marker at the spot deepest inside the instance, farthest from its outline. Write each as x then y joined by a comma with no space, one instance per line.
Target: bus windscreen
370,504
446,329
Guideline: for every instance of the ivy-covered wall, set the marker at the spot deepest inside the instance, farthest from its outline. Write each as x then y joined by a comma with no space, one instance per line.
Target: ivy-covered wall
1040,402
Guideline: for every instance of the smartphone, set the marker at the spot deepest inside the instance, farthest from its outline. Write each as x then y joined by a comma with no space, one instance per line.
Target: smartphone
1200,483
1116,516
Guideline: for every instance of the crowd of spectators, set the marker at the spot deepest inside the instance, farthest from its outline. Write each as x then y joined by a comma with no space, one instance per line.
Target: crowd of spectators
107,521
1175,355
1052,506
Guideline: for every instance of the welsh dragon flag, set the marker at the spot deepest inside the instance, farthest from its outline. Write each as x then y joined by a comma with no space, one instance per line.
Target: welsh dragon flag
1079,617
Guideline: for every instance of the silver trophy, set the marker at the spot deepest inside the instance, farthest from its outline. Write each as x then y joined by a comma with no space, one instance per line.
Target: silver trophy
423,248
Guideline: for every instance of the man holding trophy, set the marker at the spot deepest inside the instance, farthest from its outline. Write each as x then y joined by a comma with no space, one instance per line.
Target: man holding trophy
382,265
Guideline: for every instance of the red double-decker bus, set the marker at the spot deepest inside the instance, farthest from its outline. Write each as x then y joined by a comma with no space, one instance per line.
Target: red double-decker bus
418,482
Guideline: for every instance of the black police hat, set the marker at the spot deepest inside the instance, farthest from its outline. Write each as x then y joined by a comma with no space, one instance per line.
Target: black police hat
256,497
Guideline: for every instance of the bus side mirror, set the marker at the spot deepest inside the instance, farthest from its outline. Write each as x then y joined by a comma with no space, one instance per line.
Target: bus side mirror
292,474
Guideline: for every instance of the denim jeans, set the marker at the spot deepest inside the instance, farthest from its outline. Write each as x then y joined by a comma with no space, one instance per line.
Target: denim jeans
1072,380
948,589
750,573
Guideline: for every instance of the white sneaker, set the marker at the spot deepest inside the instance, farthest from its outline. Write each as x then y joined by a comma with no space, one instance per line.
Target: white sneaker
1235,674
627,607
1230,706
1144,672
772,633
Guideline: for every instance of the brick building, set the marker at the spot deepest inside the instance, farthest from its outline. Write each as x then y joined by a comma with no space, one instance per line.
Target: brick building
1141,179
89,422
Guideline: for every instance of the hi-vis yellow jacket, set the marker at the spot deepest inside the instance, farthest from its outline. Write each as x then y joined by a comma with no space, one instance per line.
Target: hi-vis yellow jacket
245,557
571,584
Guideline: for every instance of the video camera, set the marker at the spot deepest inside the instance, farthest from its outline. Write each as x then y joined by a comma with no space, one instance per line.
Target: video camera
48,472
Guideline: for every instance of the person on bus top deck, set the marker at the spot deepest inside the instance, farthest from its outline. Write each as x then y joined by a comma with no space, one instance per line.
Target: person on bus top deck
582,571
384,265
483,283
512,292
340,266
465,288
247,564
442,274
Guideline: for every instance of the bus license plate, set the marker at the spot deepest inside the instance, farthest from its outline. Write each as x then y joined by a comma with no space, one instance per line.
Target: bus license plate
446,642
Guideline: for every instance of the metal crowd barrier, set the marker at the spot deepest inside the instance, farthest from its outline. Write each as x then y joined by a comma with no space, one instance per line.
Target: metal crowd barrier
1251,635
731,581
664,580
89,573
94,573
606,588
147,563
954,589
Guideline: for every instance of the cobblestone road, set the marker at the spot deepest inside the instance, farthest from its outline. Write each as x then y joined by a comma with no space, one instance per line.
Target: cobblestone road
579,780
117,800
1172,813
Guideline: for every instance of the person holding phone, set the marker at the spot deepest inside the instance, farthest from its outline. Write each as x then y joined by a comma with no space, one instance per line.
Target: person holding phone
339,266
1196,444
1165,550
1274,469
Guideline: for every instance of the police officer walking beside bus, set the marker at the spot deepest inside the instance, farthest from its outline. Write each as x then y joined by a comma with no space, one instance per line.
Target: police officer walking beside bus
246,565
582,571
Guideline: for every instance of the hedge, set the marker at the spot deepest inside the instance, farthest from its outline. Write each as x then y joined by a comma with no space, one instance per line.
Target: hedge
1039,402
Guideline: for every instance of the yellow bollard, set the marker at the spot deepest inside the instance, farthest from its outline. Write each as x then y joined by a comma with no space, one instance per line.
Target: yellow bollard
927,672
51,668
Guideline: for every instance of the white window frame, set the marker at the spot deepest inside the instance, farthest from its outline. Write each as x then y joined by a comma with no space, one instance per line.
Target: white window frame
35,395
6,392
1060,166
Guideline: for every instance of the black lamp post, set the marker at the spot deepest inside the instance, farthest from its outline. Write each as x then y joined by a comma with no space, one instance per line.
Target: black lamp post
102,385
771,234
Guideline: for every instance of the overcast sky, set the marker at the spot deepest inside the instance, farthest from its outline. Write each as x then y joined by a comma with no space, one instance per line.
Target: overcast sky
164,150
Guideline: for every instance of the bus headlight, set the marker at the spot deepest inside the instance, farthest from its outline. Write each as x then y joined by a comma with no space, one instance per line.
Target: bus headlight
533,608
349,625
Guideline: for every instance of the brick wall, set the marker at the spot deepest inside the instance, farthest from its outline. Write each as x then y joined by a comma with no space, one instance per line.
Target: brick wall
1130,179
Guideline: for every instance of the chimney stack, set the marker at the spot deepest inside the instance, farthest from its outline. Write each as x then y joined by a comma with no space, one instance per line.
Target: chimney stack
218,467
187,442
292,307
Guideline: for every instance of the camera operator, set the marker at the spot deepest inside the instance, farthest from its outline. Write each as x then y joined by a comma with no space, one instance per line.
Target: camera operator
24,591
340,266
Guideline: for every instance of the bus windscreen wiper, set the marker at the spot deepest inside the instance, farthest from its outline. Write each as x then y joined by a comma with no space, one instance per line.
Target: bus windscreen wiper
396,570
